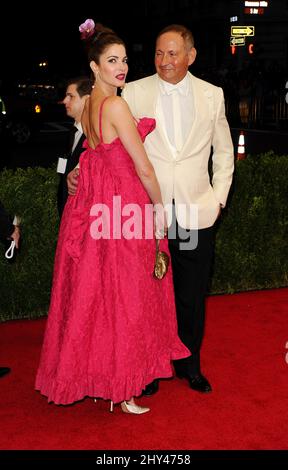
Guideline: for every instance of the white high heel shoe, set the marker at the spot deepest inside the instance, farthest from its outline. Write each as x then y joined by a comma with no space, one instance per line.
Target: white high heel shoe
133,408
126,407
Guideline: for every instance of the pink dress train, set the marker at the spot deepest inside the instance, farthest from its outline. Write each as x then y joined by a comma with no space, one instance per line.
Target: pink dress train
111,326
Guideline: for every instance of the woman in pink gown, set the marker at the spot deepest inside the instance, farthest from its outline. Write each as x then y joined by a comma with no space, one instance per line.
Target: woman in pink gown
111,327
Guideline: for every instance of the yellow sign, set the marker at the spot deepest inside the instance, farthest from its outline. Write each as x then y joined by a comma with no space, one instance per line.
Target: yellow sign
237,41
242,30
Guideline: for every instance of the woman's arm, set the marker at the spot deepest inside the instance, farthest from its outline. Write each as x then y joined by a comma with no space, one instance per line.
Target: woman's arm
122,121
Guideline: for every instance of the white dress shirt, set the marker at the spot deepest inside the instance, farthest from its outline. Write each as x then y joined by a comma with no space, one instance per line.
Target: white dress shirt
176,107
77,135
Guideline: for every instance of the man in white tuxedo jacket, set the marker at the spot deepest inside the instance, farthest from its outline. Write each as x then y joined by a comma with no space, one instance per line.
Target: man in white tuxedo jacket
190,121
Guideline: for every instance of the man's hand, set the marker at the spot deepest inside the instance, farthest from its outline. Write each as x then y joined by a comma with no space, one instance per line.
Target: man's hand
72,181
16,235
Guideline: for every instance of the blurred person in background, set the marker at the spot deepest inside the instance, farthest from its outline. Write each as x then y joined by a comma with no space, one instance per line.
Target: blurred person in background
78,90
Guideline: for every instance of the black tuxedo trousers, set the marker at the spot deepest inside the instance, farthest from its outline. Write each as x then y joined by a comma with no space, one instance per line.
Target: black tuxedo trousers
191,271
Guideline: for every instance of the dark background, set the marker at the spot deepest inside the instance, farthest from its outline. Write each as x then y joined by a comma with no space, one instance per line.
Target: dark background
37,32
31,32
34,32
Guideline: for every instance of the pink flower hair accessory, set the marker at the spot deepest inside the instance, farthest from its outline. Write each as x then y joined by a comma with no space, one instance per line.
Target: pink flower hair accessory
87,28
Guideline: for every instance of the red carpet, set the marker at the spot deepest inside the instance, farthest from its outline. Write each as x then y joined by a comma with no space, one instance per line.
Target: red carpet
243,356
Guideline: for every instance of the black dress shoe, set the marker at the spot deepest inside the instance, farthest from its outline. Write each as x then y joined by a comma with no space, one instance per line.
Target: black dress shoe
196,382
4,371
151,388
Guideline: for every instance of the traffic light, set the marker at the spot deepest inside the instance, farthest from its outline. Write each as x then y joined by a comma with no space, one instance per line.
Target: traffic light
233,50
251,49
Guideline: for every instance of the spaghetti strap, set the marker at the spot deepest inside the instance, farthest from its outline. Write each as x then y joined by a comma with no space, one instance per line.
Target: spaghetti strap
100,119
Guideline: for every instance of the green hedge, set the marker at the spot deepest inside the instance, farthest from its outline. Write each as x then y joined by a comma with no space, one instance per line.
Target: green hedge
251,242
25,284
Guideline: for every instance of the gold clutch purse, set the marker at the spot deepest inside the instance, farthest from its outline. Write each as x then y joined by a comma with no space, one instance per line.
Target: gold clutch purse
161,262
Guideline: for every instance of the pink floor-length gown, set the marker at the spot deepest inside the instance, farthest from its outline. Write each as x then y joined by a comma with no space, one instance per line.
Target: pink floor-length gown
111,326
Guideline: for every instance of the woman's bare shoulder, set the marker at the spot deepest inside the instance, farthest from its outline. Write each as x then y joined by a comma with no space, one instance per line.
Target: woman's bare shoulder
117,102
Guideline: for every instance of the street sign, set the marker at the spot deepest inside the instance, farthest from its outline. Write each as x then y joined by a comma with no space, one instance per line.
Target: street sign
242,30
254,11
237,41
256,4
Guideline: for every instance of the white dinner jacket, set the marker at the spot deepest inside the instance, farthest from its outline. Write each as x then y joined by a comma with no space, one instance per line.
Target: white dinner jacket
186,179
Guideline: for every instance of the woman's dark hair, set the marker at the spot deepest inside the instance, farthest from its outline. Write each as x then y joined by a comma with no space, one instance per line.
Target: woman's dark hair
98,42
